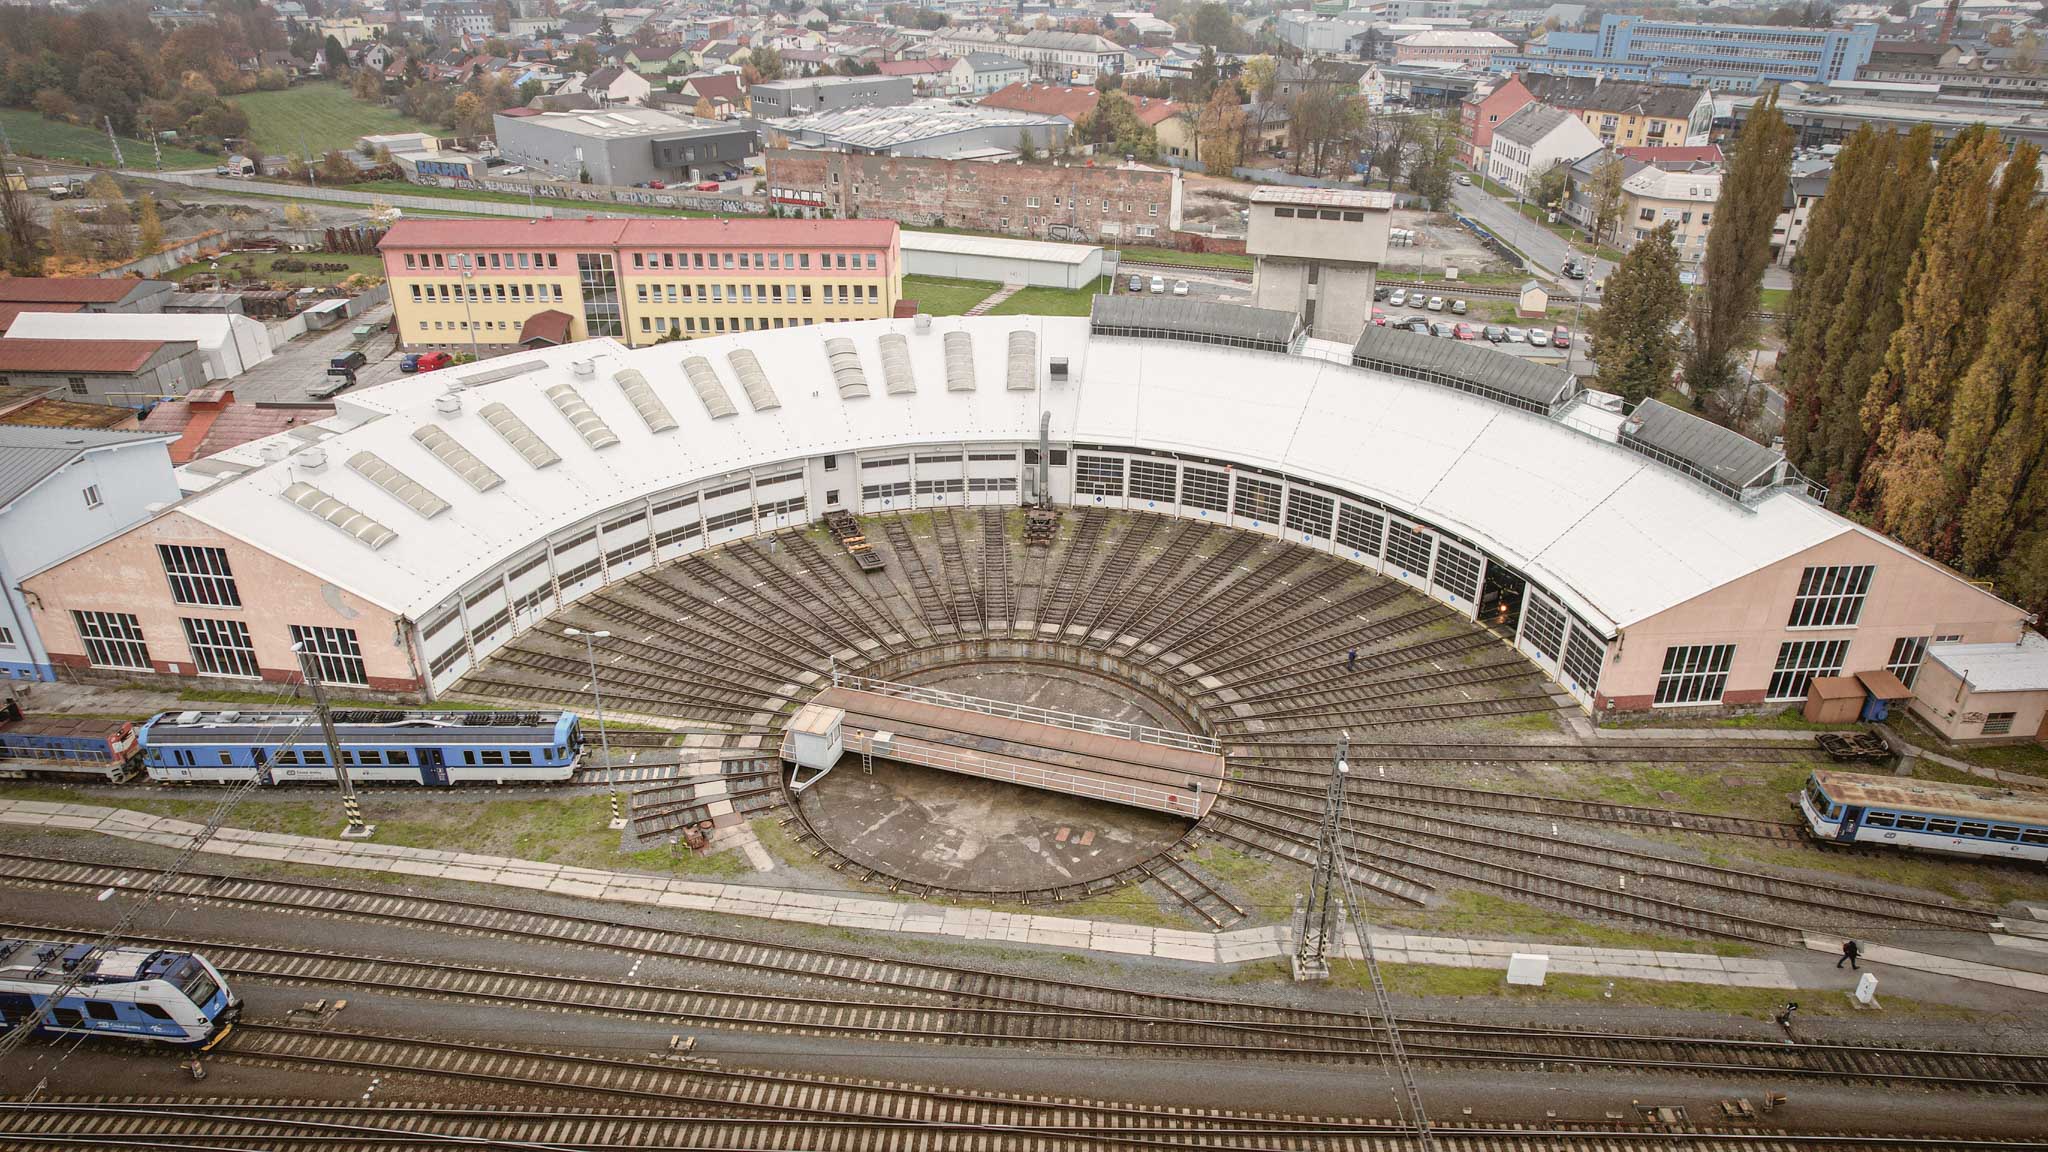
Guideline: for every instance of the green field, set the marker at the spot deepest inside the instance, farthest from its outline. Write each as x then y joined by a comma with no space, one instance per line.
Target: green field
1774,300
319,118
943,296
1047,302
1199,259
31,135
256,266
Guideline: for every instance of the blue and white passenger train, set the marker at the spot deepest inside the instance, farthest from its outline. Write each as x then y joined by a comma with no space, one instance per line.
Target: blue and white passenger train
1851,808
128,993
379,746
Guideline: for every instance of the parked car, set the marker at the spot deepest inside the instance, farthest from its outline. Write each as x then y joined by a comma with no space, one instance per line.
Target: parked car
347,362
1561,337
512,170
1137,283
1379,292
1538,338
429,361
1399,298
1573,270
1416,324
1464,180
1159,283
1515,336
657,184
1379,318
1180,287
1458,307
1467,332
707,186
1436,303
1494,333
1442,329
410,362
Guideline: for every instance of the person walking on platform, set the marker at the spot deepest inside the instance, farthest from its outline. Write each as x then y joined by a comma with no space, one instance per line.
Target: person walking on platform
1849,954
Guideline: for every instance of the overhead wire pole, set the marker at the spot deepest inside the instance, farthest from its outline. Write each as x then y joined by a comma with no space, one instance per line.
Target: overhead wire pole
350,804
1320,911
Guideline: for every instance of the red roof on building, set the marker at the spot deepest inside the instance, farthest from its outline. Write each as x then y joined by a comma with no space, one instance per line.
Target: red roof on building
65,290
1074,103
76,355
548,326
492,235
520,112
210,422
10,310
1153,111
1674,154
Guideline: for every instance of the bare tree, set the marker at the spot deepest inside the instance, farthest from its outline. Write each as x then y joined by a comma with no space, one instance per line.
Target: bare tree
18,222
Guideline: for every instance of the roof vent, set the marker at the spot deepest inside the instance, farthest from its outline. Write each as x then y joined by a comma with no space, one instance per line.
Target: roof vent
923,323
583,368
313,458
1058,368
448,402
274,452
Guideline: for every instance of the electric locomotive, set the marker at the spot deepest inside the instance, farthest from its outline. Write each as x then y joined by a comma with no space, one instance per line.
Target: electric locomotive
127,993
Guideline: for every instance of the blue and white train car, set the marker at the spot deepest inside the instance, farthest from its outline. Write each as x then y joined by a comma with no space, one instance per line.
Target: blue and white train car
127,993
379,746
1954,819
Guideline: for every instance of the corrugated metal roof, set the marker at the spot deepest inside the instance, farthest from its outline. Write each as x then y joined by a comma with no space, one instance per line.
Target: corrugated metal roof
28,455
1727,455
1231,321
1481,367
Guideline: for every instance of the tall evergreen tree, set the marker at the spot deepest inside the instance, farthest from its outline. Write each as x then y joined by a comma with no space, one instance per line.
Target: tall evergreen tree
1633,338
1739,247
1974,218
1845,302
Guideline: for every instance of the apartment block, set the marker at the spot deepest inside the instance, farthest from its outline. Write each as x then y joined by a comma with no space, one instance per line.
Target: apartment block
491,286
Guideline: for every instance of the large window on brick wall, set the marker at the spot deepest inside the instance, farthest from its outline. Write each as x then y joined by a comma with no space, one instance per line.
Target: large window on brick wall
199,575
337,658
1694,673
112,639
220,647
1799,661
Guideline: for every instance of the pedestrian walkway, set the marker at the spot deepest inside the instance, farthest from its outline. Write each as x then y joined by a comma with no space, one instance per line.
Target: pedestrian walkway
845,911
994,298
1882,955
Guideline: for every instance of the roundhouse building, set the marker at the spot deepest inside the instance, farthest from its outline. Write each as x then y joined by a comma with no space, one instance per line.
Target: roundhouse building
1639,559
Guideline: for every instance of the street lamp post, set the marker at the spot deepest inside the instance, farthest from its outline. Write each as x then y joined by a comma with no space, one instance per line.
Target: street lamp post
611,774
469,317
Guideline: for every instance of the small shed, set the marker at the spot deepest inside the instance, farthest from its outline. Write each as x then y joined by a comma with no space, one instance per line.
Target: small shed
1532,300
1978,692
1834,700
1881,690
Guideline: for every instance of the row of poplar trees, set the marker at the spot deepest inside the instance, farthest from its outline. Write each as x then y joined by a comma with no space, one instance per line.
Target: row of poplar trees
1916,363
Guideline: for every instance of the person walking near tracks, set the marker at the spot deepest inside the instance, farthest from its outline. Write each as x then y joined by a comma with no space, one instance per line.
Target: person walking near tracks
1850,951
1351,660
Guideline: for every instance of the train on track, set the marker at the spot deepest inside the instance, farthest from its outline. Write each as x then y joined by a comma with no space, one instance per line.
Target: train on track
1952,819
66,746
395,746
127,993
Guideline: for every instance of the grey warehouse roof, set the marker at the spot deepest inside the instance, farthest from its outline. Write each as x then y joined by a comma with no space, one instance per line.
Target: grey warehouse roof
1230,322
30,455
1532,123
1727,455
1467,367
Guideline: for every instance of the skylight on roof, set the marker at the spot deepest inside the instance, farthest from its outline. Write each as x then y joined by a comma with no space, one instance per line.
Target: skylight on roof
522,438
462,461
897,377
409,491
365,530
847,373
588,424
1023,365
710,389
649,405
959,362
760,396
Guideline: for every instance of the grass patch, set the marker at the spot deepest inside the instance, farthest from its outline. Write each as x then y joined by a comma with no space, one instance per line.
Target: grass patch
1479,915
943,296
318,117
1040,301
1199,259
1956,879
1774,300
1789,719
241,266
28,133
1748,790
1264,888
2029,757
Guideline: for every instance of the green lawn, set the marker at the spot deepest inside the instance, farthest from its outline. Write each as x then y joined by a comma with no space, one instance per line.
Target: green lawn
1047,302
943,296
31,135
256,265
1204,259
1775,299
319,117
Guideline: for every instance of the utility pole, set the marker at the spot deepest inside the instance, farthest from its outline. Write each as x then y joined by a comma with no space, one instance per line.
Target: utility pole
114,141
309,668
611,774
1321,912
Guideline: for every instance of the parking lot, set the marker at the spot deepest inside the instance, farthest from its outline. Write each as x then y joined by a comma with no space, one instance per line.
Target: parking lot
302,364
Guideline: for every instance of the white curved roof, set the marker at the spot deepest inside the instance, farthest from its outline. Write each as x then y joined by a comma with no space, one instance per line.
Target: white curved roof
1615,535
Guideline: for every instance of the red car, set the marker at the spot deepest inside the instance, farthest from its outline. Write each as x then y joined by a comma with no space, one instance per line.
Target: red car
708,186
1561,337
1379,318
656,184
432,360
1467,332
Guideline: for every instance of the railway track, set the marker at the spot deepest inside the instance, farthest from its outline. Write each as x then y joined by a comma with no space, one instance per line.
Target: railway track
913,1003
967,603
935,610
999,595
234,1125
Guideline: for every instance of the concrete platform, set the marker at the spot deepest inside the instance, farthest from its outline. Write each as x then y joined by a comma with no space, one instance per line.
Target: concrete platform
1137,773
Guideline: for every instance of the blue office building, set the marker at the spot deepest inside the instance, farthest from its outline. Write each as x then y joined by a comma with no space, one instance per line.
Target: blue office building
1724,57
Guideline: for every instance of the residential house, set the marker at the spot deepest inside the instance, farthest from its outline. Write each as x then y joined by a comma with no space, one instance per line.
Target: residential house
929,76
1481,112
1653,196
1628,115
980,73
1808,183
1532,141
617,85
656,60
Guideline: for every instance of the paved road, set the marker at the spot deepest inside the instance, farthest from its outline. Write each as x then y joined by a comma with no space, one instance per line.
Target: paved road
302,363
